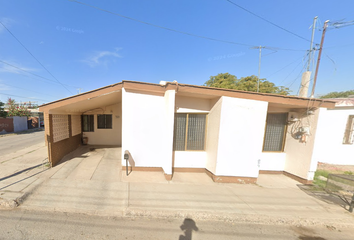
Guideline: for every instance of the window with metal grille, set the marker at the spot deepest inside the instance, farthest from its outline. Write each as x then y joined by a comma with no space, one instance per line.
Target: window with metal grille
87,123
274,137
104,121
189,132
348,134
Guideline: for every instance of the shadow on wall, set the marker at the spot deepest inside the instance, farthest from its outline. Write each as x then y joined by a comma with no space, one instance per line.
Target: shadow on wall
188,227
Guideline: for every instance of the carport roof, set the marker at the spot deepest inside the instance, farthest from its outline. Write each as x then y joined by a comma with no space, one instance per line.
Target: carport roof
112,94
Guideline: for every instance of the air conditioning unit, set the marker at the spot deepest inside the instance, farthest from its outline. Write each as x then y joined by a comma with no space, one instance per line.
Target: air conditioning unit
293,116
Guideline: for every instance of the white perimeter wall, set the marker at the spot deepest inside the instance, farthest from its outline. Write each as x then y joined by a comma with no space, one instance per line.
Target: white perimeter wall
146,121
107,136
20,123
242,124
329,147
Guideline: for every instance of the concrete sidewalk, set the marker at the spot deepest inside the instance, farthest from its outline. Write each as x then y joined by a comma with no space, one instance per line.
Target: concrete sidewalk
90,181
20,173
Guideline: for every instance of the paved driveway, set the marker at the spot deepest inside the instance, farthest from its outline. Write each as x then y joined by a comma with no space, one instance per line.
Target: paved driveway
87,180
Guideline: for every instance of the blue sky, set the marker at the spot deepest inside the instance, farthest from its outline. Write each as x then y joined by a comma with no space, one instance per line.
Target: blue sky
82,47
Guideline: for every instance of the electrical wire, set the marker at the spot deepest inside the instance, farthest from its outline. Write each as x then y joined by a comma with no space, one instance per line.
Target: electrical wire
6,94
292,71
36,75
5,84
174,30
274,24
34,57
284,67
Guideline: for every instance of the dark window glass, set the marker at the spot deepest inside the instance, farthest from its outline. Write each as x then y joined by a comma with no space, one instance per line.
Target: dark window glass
189,132
87,123
104,121
275,132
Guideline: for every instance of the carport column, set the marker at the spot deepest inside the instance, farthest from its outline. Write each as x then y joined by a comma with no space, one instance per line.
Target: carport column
49,135
169,128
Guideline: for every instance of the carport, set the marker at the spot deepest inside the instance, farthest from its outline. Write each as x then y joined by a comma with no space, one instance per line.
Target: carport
94,116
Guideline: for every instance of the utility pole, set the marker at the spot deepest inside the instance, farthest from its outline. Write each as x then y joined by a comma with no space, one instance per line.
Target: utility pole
259,63
79,90
306,76
319,58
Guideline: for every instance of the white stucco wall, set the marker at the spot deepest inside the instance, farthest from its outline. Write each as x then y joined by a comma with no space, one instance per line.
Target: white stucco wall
144,129
242,125
106,136
20,123
272,161
329,147
190,159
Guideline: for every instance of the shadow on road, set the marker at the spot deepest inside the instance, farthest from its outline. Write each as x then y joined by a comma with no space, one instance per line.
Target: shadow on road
188,227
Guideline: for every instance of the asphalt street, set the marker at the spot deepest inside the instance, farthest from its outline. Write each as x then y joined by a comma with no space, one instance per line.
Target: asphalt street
20,224
13,143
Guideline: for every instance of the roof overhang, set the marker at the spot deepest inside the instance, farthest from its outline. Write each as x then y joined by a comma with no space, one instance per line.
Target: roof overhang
112,94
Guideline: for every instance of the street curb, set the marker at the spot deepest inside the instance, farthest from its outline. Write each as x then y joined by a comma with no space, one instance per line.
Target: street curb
240,218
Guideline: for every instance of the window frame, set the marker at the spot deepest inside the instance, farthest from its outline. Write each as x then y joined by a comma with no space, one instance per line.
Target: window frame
186,132
105,121
90,122
284,132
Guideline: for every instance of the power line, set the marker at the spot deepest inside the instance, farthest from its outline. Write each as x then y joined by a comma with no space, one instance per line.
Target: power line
292,71
52,81
284,67
274,24
174,30
34,57
24,97
26,89
158,26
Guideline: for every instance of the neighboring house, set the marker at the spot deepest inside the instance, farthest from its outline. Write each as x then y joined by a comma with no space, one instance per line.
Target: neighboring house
13,124
231,135
335,135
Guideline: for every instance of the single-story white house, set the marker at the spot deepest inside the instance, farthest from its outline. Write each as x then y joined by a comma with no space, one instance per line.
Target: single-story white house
335,135
231,135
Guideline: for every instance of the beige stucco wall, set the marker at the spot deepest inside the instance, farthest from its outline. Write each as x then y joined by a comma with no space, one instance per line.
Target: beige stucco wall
299,160
212,141
192,104
75,124
106,136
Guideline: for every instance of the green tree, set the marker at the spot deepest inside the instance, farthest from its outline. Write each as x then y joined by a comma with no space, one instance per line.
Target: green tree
15,110
250,83
343,94
2,111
